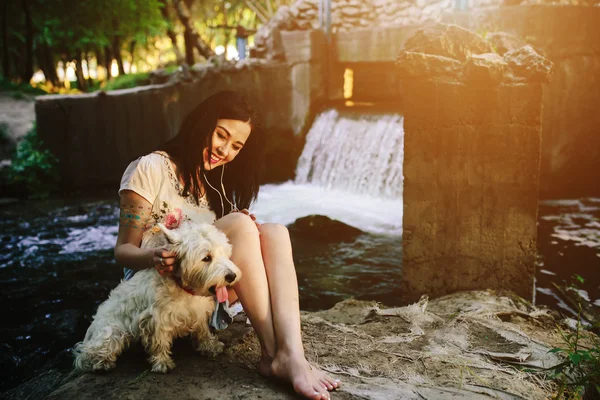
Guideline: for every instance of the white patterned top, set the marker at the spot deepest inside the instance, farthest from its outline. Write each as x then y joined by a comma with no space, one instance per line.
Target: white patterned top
152,176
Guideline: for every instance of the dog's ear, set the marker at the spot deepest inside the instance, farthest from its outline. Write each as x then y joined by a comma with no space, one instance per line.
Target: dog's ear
173,237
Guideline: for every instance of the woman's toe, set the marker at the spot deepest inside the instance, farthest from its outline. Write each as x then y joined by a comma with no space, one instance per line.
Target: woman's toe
327,384
330,383
322,392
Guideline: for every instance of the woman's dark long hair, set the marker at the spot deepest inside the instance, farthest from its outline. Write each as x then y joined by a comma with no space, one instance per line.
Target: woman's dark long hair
241,176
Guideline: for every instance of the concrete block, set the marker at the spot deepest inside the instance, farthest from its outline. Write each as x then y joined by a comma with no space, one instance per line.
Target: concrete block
471,180
304,46
371,45
375,82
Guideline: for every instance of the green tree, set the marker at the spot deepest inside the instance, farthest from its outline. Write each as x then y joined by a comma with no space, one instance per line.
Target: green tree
62,30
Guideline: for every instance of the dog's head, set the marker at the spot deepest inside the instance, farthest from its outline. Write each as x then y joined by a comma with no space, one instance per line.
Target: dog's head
203,258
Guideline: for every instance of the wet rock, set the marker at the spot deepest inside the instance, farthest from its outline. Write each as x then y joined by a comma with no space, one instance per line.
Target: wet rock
267,41
36,388
489,67
450,52
64,324
526,63
324,229
503,42
449,41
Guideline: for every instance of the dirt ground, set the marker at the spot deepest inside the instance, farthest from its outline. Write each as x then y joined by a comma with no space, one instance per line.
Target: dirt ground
471,345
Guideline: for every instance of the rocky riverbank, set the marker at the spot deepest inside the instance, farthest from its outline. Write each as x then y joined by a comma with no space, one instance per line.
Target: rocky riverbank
463,346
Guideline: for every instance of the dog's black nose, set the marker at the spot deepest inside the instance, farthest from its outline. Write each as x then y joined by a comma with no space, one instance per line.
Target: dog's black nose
230,277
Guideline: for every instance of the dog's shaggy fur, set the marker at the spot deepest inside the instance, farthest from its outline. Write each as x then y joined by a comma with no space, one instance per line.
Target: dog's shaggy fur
157,309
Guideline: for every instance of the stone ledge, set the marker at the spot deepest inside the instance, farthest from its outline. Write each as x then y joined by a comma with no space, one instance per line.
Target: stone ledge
467,345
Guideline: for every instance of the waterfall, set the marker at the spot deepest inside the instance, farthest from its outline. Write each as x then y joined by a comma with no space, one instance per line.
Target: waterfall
354,152
350,170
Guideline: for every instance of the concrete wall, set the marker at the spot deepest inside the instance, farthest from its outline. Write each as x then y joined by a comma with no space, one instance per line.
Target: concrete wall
471,175
96,135
307,57
371,54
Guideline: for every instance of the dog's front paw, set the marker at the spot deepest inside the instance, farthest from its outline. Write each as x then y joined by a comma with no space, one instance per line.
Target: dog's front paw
210,348
163,365
104,365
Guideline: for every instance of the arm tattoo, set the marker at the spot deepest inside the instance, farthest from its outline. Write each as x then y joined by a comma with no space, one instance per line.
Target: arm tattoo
134,216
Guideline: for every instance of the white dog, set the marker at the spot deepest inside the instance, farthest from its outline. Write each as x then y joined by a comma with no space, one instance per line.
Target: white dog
158,309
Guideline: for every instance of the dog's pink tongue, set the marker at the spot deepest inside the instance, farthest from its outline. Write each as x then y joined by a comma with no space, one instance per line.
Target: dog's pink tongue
222,294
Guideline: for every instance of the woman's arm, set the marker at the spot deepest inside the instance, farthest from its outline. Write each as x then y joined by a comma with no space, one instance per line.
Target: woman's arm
134,215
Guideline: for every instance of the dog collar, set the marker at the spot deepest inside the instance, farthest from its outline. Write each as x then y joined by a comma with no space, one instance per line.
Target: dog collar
180,284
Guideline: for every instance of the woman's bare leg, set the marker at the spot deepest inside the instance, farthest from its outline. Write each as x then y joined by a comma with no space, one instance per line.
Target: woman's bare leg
252,289
255,295
290,362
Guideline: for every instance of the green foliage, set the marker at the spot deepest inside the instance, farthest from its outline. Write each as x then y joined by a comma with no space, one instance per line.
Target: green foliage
128,81
19,90
64,29
171,69
34,168
581,365
94,23
92,85
4,136
3,130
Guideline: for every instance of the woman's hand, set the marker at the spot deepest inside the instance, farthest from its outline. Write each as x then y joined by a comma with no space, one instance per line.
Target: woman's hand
252,216
164,261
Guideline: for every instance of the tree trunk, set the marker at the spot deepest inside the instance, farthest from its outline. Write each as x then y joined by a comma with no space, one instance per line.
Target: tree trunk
170,32
46,62
107,62
131,51
116,49
183,13
27,72
5,53
99,60
188,39
81,82
88,60
260,12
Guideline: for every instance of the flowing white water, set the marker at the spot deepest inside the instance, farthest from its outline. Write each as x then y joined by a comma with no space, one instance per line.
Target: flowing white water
358,153
350,170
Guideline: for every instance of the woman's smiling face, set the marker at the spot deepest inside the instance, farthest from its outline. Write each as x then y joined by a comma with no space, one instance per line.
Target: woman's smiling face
228,139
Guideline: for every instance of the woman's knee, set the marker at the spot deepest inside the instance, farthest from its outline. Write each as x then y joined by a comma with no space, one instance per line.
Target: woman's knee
236,223
270,231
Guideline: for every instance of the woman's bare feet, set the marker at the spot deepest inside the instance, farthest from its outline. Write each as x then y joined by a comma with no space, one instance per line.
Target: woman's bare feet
306,380
329,382
264,365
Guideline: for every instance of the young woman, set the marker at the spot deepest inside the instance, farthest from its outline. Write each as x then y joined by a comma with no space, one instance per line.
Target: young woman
205,174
